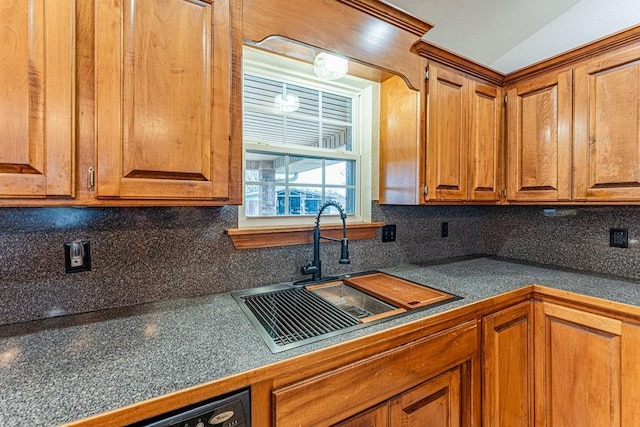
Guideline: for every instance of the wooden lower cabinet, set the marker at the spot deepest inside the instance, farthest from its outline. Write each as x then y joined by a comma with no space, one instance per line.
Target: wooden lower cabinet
392,384
507,350
377,416
586,369
547,364
436,402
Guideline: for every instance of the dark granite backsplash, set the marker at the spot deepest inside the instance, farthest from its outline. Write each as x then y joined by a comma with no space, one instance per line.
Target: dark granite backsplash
575,237
148,254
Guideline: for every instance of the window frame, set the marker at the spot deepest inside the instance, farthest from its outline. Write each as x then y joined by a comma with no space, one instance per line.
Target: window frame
362,93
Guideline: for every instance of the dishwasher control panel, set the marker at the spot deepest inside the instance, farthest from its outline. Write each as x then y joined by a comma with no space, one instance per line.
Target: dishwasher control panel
233,410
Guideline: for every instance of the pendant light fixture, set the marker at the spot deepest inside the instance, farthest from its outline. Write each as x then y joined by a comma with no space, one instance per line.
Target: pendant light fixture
330,67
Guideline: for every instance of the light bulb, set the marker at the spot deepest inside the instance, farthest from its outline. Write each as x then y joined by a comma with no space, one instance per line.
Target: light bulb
330,67
286,104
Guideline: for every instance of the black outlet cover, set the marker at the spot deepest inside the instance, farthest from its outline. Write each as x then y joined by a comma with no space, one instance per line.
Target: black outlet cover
389,233
619,237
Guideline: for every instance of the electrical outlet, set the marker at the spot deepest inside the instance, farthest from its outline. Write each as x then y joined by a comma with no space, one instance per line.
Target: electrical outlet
444,229
619,237
77,256
389,233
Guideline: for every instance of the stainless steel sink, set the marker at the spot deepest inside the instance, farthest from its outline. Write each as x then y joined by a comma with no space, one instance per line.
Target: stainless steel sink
353,301
288,316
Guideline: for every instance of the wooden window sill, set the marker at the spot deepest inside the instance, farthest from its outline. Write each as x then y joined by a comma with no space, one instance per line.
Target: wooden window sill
251,238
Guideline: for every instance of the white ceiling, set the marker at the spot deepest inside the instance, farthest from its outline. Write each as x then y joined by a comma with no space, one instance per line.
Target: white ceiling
507,35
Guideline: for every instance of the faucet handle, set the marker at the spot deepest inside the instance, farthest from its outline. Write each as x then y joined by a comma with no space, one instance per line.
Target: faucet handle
309,269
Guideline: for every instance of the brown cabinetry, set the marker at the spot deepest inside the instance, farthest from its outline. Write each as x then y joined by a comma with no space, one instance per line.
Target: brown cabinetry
377,416
463,146
163,100
539,143
392,383
37,143
445,149
548,364
437,403
607,128
508,349
585,368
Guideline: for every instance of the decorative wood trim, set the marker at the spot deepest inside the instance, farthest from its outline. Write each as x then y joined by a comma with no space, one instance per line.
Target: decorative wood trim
458,62
598,47
267,237
390,14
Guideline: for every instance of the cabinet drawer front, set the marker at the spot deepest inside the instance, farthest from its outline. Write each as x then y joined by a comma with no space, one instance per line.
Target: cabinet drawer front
335,395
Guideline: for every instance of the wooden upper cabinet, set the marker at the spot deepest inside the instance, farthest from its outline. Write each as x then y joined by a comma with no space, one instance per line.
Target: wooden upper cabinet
485,142
607,128
539,144
447,136
463,154
400,148
37,101
163,99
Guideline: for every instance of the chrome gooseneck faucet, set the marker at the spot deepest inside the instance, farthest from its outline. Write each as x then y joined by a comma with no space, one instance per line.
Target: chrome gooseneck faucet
314,268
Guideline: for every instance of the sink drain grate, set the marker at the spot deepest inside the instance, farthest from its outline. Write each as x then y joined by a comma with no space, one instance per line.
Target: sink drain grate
295,314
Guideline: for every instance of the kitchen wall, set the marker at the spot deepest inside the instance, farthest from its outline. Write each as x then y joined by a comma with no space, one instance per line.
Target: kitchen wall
572,237
148,254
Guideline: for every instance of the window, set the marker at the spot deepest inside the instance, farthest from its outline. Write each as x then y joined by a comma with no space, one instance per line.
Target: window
305,143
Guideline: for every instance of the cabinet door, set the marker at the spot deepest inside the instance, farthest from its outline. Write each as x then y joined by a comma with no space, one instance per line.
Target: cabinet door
485,142
579,357
447,136
163,87
436,403
607,128
508,349
374,417
539,117
37,102
334,396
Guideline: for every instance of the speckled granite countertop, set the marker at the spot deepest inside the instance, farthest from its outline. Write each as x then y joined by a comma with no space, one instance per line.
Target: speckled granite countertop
57,374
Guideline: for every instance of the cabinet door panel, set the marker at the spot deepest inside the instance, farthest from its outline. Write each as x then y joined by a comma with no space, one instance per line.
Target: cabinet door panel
36,106
578,368
508,367
435,403
447,148
607,128
485,142
630,373
374,417
539,139
155,98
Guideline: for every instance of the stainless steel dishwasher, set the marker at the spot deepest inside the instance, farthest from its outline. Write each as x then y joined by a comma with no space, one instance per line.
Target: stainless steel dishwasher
229,410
